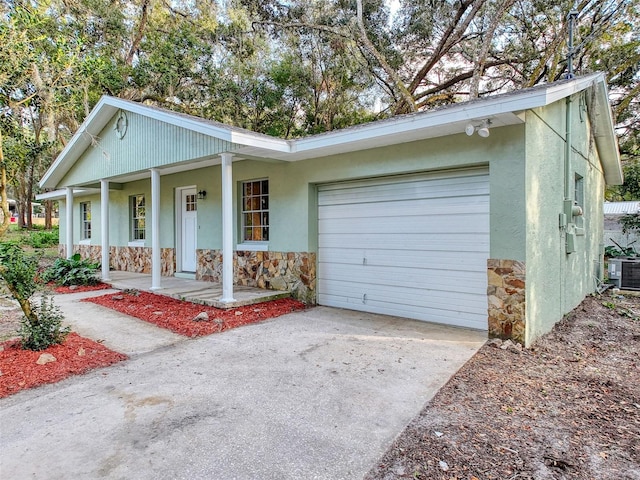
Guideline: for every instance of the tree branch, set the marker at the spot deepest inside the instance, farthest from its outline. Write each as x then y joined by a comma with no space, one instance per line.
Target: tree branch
397,81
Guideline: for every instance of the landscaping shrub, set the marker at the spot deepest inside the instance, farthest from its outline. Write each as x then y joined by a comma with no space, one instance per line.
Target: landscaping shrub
47,330
42,324
43,239
18,270
72,271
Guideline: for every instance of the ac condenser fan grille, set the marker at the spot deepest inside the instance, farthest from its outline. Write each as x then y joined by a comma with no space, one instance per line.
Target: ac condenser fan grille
630,279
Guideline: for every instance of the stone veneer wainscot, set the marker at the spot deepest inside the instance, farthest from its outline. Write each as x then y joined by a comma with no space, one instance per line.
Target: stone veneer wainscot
128,259
293,271
507,300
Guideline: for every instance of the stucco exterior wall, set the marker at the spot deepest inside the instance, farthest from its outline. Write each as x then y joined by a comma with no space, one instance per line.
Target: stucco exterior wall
293,191
293,194
526,165
557,281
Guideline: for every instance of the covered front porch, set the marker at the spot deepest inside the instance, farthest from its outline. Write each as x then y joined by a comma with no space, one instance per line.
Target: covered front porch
195,291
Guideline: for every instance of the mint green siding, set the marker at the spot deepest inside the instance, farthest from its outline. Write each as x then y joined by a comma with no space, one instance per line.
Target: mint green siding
556,281
148,143
293,223
293,216
526,182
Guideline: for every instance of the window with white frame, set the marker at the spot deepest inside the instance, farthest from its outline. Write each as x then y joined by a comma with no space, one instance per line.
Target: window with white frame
255,211
85,218
137,213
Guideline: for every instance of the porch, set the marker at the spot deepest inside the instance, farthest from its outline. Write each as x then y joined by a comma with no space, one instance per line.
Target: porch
195,291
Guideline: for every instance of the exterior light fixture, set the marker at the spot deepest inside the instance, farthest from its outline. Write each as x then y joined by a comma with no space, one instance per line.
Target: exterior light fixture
482,129
483,132
469,129
202,194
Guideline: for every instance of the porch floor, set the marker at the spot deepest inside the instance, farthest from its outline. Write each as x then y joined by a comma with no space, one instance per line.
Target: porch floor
194,291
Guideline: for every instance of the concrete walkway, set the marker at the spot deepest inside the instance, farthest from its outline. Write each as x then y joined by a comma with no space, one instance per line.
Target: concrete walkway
318,394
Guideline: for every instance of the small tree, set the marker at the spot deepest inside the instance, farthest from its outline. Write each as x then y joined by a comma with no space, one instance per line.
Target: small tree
42,324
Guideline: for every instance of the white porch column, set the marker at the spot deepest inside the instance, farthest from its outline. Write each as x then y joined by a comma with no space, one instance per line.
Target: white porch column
69,229
227,228
104,227
155,229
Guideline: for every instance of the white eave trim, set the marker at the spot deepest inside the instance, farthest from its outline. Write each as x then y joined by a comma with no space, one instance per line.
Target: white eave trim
463,112
505,109
605,137
107,107
61,194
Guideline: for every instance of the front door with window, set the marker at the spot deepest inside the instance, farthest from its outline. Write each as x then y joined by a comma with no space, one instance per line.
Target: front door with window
188,229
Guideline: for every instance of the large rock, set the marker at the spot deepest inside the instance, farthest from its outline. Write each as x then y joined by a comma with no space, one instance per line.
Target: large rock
201,317
45,358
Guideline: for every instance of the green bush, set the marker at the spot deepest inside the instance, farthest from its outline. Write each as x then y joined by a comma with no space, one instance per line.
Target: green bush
48,329
42,324
72,271
43,238
18,270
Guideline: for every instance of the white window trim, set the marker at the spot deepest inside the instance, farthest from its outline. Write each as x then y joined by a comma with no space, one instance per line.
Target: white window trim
253,246
136,242
85,240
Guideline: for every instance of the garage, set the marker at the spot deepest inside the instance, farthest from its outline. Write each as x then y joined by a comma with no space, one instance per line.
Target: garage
413,246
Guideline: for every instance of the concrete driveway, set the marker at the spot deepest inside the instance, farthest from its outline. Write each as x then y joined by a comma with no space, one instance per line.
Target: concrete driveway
318,394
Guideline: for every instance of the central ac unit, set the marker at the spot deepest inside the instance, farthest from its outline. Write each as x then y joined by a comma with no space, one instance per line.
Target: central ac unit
624,273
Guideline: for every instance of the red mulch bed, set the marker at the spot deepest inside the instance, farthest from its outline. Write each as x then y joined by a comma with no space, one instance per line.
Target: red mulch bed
81,288
178,315
75,356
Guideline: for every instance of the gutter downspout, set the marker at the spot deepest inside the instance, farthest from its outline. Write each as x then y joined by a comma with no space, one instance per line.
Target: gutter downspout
567,154
569,210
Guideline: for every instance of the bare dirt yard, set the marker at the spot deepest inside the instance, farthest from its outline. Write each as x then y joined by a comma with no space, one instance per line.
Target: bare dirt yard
568,408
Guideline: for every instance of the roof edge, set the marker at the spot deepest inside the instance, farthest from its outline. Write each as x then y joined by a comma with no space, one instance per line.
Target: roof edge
605,135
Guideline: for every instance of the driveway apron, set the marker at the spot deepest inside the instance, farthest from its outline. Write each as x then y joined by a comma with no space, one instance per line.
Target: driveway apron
318,394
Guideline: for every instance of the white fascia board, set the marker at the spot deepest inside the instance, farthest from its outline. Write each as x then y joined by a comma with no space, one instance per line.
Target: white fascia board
605,136
61,194
200,126
558,92
92,125
77,144
505,104
449,116
108,106
261,141
386,132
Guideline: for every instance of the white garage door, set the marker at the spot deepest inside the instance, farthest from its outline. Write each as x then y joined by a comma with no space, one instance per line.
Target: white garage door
411,246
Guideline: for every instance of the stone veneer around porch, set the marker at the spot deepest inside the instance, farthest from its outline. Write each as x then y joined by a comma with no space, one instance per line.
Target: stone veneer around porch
293,271
507,301
128,259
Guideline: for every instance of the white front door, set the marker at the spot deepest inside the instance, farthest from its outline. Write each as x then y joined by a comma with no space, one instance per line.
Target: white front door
188,229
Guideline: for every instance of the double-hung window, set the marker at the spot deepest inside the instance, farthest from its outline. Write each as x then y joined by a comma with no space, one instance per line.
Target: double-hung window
137,209
255,211
85,218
